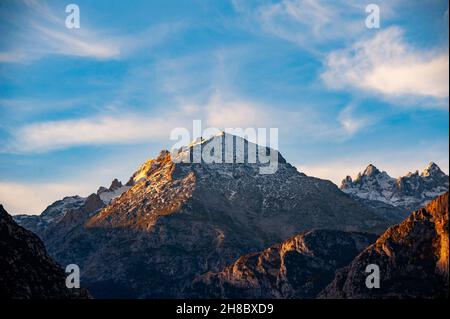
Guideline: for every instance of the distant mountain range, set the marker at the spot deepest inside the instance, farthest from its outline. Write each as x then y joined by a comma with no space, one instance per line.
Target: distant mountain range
179,230
400,195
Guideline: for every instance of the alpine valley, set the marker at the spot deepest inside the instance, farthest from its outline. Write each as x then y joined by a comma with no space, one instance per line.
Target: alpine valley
221,230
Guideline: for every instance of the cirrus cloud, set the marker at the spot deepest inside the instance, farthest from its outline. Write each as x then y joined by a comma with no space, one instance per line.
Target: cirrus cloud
36,29
60,134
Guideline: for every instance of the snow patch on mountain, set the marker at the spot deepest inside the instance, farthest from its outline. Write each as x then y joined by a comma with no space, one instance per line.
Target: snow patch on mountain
115,190
406,192
58,209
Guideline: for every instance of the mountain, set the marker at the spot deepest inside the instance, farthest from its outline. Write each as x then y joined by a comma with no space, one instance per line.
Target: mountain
70,210
412,257
61,215
27,271
177,220
115,190
396,196
299,267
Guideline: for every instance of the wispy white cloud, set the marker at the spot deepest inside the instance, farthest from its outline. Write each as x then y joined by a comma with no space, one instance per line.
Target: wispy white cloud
220,111
76,42
97,130
220,104
28,107
309,23
131,128
232,112
12,56
300,21
305,122
352,123
40,31
385,64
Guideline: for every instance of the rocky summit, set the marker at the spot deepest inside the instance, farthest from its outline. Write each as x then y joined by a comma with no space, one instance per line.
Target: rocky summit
27,271
396,196
178,220
412,257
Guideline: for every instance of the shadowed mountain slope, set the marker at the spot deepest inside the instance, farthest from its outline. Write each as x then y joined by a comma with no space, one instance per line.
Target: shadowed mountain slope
26,270
412,257
299,267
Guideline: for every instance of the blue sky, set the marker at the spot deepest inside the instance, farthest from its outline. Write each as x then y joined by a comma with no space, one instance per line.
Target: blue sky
81,106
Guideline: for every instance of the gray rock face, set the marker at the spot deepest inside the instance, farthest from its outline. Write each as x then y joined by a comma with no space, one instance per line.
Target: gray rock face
26,270
179,220
396,196
61,216
115,190
51,215
299,267
57,215
412,257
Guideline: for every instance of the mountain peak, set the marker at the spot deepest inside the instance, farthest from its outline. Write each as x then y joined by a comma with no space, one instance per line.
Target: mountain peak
202,140
371,170
115,190
432,169
227,148
165,185
405,192
115,184
3,213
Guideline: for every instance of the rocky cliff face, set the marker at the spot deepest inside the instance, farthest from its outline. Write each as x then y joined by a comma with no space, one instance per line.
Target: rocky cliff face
179,220
412,257
396,196
26,270
299,267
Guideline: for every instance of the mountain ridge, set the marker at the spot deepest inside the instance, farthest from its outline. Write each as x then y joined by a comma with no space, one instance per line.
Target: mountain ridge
299,267
406,193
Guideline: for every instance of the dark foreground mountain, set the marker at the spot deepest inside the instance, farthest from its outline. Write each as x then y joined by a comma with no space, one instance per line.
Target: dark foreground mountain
412,257
26,270
396,196
175,221
299,267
